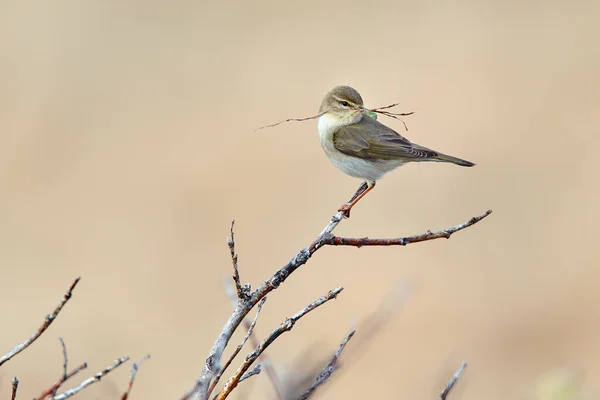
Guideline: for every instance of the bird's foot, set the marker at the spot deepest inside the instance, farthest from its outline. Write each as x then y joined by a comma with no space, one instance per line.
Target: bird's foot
346,209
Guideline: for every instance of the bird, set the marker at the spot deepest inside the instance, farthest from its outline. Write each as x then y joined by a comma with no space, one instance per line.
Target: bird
363,147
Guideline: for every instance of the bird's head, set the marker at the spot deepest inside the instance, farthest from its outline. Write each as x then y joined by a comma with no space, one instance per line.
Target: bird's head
343,104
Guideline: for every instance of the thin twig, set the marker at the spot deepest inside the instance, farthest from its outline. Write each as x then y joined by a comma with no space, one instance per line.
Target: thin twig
249,331
47,321
242,292
285,326
376,110
301,376
15,385
403,241
453,381
51,391
91,380
254,371
290,119
134,370
212,363
390,114
65,358
328,370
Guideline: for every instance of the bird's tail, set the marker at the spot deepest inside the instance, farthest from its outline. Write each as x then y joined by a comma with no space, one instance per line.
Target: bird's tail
453,160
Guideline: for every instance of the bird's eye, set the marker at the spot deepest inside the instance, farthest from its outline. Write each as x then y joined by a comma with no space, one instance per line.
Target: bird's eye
344,103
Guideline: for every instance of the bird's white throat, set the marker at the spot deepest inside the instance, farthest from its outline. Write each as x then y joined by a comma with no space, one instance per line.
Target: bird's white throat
329,123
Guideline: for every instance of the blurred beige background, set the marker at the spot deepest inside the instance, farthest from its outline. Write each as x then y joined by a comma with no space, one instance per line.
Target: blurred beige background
127,146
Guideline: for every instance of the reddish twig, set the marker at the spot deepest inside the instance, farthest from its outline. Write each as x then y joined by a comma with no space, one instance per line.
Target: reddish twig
378,110
47,322
134,370
285,326
453,381
15,385
289,120
51,391
403,241
90,380
329,368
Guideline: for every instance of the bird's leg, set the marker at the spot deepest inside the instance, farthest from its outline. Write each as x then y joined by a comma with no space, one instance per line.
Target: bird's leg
365,188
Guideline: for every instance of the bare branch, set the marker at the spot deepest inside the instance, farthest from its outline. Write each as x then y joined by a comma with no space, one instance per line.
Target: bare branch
285,326
453,381
403,241
212,363
134,370
254,342
239,348
51,391
329,368
47,321
15,385
213,360
91,380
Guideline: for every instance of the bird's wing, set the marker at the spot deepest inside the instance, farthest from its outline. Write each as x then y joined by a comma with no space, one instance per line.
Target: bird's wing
371,140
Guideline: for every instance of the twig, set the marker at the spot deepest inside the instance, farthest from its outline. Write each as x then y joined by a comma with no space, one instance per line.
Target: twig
51,391
15,386
328,370
242,292
379,110
403,241
453,381
134,370
47,321
65,358
239,348
376,110
301,376
212,363
285,326
91,380
254,371
248,374
290,119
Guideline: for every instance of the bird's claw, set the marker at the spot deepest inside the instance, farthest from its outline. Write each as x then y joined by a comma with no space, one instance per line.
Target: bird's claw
346,209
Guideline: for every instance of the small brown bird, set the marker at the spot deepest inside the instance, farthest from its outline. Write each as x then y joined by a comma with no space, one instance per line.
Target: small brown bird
361,146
